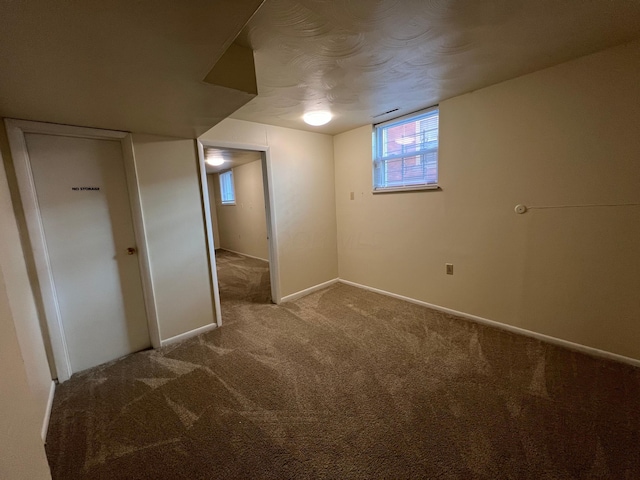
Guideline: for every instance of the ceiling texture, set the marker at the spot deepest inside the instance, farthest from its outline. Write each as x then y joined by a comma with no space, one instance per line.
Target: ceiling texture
362,58
136,65
150,65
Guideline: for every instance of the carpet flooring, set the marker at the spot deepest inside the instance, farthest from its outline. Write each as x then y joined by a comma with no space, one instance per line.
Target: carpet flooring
242,279
347,384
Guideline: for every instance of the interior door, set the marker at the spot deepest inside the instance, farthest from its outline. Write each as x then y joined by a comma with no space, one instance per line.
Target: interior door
82,195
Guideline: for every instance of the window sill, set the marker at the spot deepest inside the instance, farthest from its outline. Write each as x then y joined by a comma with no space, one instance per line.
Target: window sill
227,203
414,188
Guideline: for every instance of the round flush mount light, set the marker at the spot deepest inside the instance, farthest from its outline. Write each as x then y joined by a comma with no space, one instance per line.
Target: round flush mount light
215,160
317,118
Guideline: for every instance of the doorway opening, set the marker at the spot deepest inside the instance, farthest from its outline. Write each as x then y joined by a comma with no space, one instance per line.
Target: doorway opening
238,210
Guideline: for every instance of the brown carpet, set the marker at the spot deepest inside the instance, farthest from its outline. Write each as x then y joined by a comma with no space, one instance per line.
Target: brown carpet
348,384
242,279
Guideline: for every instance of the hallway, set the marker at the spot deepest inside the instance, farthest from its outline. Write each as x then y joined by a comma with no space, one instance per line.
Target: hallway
242,279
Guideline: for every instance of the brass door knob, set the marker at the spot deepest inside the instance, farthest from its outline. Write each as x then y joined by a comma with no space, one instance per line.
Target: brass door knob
131,251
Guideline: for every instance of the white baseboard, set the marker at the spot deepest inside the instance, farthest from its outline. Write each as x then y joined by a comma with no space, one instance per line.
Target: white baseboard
510,328
189,334
307,291
243,254
47,412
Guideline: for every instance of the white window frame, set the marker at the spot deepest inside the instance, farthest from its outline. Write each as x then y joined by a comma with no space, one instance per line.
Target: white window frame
223,188
379,144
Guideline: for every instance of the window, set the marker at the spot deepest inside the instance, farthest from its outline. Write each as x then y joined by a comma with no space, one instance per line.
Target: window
405,152
227,193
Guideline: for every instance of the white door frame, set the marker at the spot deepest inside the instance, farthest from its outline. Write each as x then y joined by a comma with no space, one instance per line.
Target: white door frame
16,130
267,182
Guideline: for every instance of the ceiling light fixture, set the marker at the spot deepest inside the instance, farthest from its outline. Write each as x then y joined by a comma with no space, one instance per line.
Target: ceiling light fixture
215,159
317,118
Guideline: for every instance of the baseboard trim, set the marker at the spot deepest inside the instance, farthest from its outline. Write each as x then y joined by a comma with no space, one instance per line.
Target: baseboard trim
186,335
244,254
503,326
47,412
307,291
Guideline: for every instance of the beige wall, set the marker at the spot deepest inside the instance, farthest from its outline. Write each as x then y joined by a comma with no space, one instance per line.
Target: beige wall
562,136
167,171
243,226
302,173
21,449
21,302
211,184
24,376
171,201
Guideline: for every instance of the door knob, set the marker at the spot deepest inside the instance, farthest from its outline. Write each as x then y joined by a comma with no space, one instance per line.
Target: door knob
131,251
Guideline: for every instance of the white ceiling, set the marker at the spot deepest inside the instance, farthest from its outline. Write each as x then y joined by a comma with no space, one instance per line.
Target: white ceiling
133,65
139,65
232,158
361,58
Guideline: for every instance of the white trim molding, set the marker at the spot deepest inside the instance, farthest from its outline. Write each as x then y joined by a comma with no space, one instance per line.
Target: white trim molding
189,334
208,225
272,232
503,326
307,291
47,412
16,130
243,254
144,263
267,180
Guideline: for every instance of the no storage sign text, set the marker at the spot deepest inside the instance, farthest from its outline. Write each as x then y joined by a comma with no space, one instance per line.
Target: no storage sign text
75,189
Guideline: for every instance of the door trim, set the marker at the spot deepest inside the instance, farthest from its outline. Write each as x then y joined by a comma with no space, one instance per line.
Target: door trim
16,130
267,181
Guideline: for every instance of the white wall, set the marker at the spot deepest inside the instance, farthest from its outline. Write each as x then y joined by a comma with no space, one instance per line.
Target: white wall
168,176
302,173
243,226
562,136
22,304
212,180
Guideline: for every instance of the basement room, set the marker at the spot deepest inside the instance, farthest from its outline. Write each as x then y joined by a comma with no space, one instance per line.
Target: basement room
311,239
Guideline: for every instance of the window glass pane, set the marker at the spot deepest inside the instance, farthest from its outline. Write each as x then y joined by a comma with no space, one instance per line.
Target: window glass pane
406,151
227,193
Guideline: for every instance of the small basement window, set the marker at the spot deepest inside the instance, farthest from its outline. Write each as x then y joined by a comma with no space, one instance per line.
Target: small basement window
405,152
227,192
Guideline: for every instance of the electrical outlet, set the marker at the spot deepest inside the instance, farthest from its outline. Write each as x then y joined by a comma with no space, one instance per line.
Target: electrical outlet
449,268
352,196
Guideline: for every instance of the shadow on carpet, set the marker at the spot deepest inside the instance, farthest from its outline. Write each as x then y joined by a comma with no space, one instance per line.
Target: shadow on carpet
349,384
